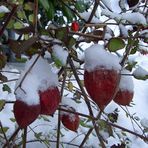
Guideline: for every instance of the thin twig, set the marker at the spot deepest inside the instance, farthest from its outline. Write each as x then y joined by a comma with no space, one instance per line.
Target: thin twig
12,137
86,99
24,139
59,112
96,4
27,72
35,20
5,137
8,19
8,81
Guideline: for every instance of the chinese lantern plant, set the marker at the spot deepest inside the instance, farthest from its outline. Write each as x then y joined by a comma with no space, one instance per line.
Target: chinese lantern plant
70,120
36,92
125,93
101,74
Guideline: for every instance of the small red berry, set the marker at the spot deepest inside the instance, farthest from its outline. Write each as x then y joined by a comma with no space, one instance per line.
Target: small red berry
75,26
25,114
49,100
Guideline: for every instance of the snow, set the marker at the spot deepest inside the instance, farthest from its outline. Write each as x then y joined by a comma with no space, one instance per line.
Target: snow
96,56
140,72
40,77
123,30
4,9
85,15
126,82
134,17
60,53
107,3
144,123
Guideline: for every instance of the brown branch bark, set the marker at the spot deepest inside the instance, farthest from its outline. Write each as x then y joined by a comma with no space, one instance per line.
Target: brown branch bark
8,19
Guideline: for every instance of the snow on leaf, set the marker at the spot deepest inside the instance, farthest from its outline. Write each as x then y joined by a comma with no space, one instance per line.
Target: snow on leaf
126,82
60,54
4,9
144,123
140,73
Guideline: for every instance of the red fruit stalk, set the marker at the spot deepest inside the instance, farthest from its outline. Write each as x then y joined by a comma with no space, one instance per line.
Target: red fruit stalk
75,26
49,101
25,114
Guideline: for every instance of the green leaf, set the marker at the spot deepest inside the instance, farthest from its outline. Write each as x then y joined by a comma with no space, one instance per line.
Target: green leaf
45,118
29,6
61,34
115,44
31,16
3,60
2,14
3,78
18,25
5,129
71,42
133,51
82,123
70,86
45,4
141,77
21,60
2,104
68,13
13,119
38,135
80,6
50,11
6,88
58,63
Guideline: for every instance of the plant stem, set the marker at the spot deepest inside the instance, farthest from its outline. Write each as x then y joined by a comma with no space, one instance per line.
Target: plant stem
24,139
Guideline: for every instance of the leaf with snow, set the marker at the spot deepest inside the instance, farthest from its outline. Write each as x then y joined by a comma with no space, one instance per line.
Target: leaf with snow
4,9
115,44
140,73
144,123
59,55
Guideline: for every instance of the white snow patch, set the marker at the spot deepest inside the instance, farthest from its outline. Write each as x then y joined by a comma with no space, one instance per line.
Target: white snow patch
126,82
85,15
140,72
144,123
107,3
4,9
135,17
40,77
60,53
123,30
96,56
